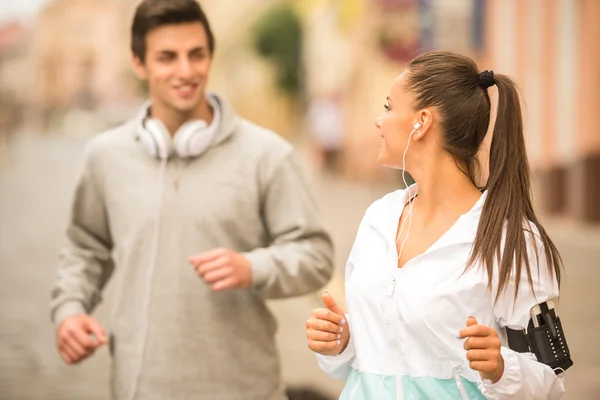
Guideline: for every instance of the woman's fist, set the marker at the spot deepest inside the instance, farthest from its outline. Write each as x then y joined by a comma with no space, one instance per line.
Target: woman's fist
327,330
483,350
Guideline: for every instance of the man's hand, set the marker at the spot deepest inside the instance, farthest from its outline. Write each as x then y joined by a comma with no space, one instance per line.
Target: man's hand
483,350
223,269
74,340
327,331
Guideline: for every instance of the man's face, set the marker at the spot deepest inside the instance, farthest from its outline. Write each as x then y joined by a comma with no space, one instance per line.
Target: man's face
177,66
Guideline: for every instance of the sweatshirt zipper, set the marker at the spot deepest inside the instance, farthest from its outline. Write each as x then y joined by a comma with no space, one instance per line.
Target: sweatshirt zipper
461,388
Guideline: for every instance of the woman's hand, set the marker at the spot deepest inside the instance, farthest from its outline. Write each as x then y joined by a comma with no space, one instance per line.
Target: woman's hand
327,330
483,350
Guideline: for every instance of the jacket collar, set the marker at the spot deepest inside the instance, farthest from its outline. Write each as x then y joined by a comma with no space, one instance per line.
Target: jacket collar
383,217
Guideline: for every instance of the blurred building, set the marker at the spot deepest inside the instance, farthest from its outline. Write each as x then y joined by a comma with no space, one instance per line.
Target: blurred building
83,50
357,48
81,57
15,82
80,64
15,73
551,48
239,73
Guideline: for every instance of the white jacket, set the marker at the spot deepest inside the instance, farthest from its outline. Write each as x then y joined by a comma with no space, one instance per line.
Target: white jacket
405,322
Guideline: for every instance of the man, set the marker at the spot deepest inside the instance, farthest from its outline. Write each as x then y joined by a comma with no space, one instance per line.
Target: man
202,215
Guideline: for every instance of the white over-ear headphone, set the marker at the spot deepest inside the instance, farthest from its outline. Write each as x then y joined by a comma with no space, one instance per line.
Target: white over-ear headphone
190,140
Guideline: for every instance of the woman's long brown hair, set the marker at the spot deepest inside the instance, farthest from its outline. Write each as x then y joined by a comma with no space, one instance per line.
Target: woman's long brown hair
450,83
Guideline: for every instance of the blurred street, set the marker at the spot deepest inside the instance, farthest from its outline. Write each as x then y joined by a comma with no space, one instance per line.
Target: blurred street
36,182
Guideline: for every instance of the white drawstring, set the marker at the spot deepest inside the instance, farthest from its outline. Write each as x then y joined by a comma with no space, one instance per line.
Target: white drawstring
381,386
152,266
389,295
561,376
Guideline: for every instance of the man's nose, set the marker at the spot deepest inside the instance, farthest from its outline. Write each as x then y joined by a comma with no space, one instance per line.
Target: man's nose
184,67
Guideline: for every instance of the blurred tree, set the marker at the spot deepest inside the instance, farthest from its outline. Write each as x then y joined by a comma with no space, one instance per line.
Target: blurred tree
277,36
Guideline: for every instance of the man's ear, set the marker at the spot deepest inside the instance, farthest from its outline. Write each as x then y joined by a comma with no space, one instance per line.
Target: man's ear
139,67
425,118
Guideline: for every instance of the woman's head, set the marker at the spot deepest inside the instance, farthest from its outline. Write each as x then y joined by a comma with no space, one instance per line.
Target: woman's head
442,92
447,95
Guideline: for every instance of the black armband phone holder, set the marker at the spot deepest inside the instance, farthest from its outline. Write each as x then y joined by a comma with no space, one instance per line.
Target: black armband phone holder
544,337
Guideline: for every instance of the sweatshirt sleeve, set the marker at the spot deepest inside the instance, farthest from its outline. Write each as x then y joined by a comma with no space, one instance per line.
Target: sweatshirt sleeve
85,264
299,258
524,377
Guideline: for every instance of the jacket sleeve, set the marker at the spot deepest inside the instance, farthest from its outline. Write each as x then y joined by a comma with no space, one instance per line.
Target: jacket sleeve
524,377
338,367
85,264
299,258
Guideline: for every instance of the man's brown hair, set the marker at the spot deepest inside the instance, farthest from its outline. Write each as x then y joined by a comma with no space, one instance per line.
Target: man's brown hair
151,14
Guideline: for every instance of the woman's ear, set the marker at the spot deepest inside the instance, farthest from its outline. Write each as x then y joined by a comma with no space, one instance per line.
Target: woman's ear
423,123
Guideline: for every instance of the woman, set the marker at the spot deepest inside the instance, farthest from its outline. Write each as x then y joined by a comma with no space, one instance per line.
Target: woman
430,281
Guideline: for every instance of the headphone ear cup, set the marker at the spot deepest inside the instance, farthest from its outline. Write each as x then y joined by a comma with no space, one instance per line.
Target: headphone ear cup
187,136
147,139
160,136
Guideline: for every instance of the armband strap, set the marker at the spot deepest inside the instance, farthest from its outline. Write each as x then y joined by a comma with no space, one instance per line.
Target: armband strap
547,341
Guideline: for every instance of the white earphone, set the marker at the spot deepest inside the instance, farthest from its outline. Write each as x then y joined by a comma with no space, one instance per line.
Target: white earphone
416,127
190,140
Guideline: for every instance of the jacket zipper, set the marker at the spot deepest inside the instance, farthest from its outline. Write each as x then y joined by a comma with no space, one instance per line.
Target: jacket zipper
461,388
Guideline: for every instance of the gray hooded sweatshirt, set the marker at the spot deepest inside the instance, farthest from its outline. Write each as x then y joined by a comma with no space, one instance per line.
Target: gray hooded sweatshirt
171,336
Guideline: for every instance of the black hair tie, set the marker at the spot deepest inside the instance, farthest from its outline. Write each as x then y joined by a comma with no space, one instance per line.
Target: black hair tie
486,79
